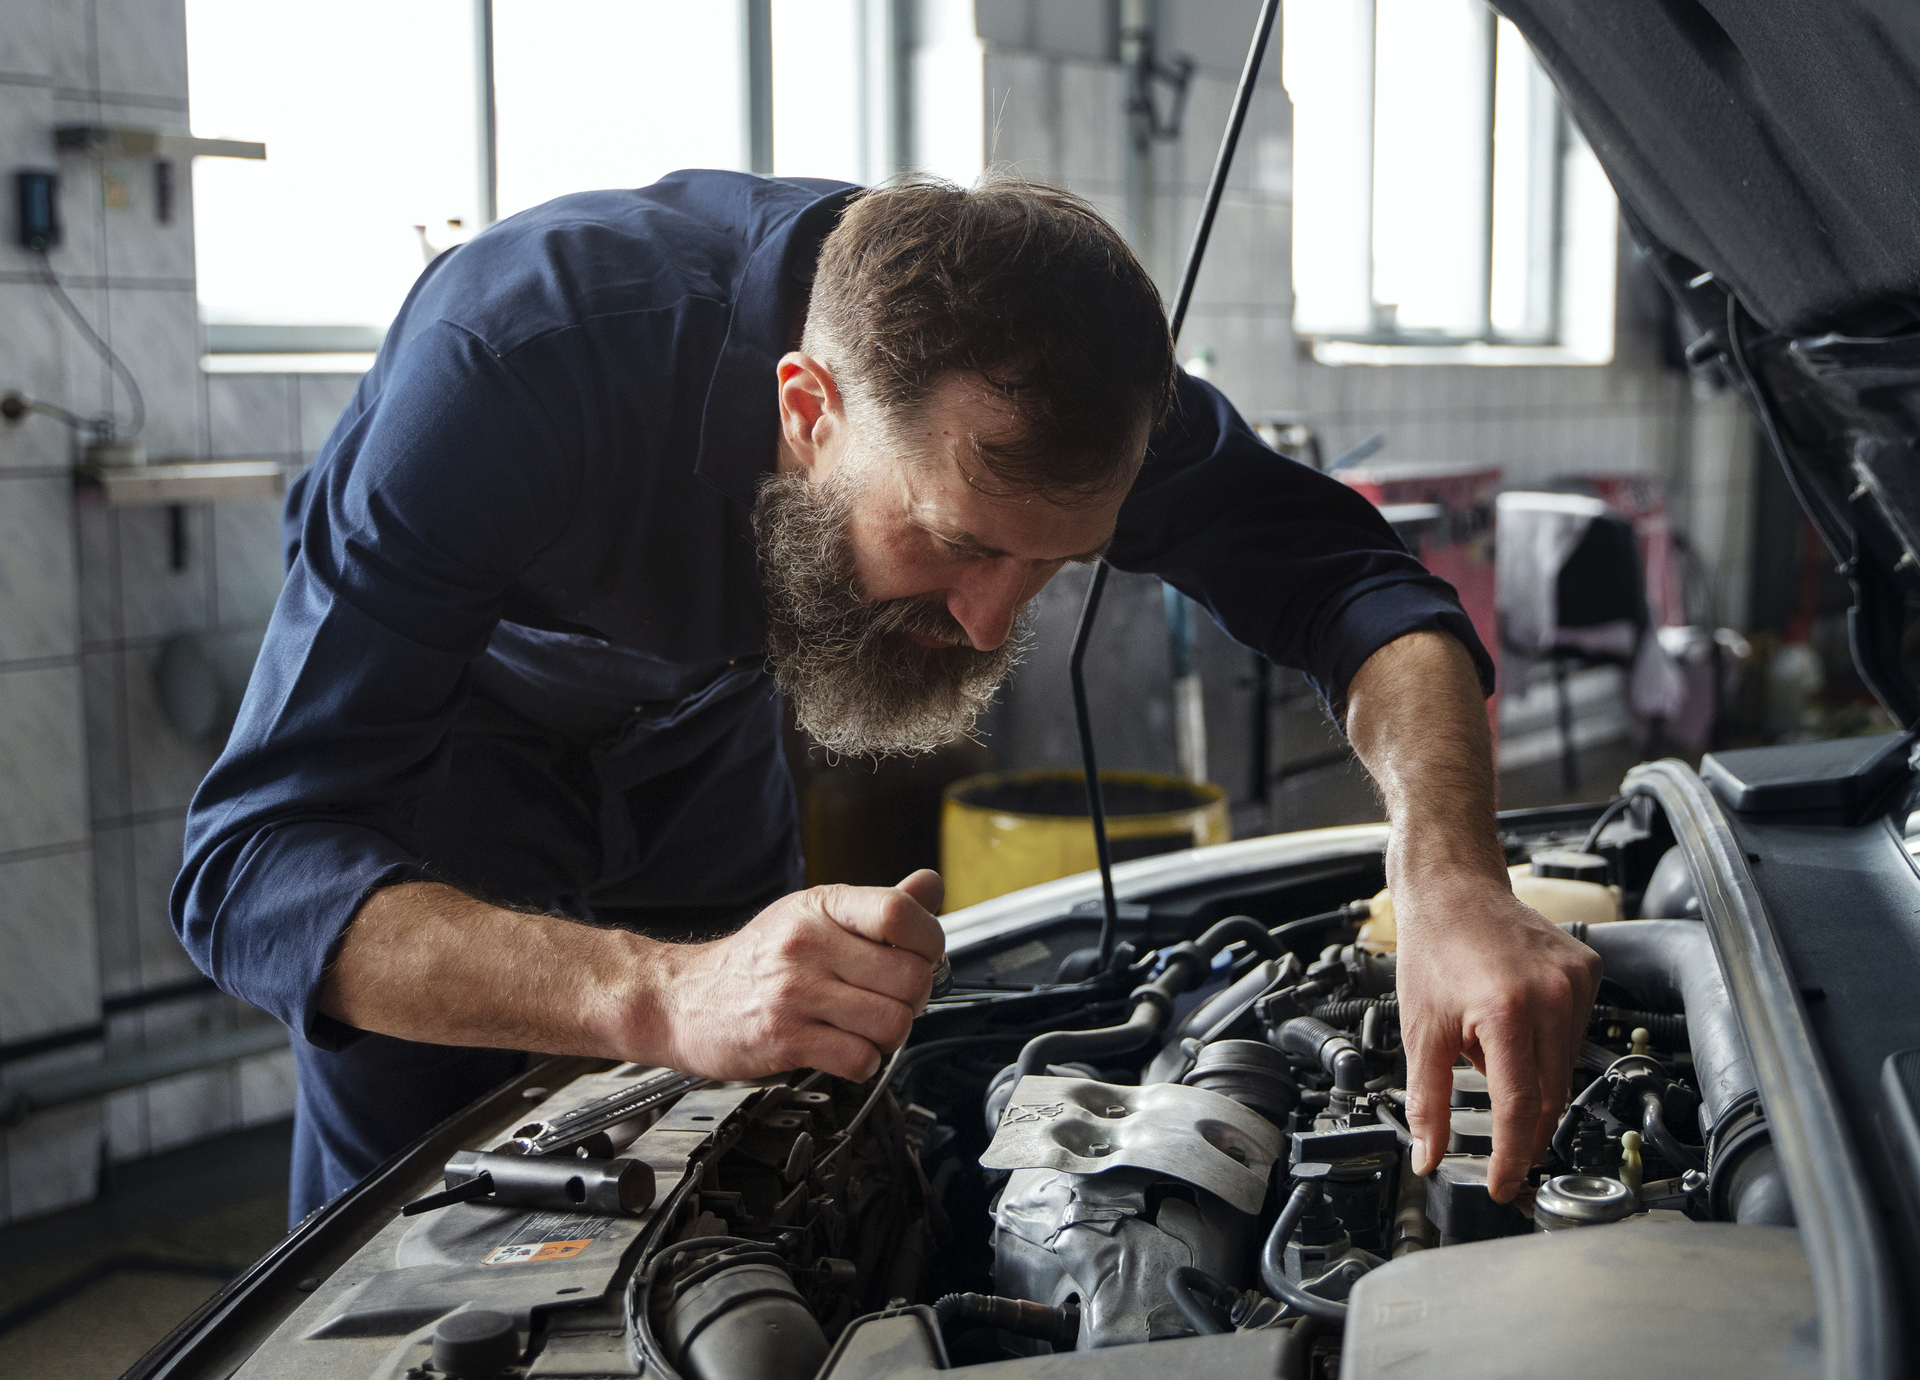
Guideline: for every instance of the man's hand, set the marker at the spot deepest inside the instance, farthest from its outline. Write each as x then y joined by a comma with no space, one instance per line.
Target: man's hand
1482,975
827,979
1479,973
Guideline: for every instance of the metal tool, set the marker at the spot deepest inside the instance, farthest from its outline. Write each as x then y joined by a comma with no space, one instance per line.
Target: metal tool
606,1187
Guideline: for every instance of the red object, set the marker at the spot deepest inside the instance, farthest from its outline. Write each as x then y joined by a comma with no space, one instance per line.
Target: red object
1455,542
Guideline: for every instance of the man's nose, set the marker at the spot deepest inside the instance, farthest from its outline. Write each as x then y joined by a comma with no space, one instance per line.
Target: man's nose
986,602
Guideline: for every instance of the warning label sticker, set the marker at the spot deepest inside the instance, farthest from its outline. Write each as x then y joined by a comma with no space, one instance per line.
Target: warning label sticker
535,1250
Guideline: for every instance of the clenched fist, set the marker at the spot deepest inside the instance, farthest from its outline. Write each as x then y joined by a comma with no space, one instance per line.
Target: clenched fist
830,979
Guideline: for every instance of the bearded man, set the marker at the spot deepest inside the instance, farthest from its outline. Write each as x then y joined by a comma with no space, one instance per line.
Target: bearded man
510,759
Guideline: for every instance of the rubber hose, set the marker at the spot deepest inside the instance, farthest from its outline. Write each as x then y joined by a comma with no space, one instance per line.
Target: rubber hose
1186,1286
1255,935
1351,1009
1076,1046
1653,1125
1023,1317
1273,1260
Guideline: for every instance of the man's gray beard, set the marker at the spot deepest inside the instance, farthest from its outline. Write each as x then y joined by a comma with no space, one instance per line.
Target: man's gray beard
857,682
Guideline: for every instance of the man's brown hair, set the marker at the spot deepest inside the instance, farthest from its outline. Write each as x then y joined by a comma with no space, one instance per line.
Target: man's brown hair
1023,285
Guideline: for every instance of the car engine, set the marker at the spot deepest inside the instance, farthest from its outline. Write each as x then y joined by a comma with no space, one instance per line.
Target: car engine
1201,1145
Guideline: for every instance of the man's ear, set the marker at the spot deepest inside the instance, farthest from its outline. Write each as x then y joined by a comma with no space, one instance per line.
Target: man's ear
811,415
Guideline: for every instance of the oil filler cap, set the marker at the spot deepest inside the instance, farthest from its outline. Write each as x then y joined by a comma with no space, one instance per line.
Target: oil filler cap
475,1345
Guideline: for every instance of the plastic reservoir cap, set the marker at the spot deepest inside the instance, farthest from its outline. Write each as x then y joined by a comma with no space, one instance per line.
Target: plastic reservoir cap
475,1345
1560,899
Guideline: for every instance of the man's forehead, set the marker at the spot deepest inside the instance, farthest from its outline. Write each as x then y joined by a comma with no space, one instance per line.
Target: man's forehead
951,492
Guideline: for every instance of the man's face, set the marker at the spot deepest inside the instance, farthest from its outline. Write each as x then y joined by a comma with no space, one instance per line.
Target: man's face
895,585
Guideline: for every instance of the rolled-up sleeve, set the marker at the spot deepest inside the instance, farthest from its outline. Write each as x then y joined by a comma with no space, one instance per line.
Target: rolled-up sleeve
1289,561
427,507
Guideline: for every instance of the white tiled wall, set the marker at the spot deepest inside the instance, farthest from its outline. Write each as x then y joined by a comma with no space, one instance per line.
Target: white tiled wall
93,782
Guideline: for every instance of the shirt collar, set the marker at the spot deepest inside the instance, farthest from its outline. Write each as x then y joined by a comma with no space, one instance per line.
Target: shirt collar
740,422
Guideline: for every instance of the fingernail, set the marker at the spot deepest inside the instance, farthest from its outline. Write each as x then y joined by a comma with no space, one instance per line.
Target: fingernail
1419,1156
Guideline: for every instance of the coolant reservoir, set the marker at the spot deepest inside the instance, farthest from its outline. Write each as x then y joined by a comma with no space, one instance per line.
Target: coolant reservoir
1560,899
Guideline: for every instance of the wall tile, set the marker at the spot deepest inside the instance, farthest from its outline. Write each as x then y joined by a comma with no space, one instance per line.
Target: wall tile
1092,125
248,564
252,414
99,567
156,862
267,1088
124,1114
106,723
157,334
116,910
157,600
70,44
43,771
1022,89
188,1108
47,946
124,1123
194,1105
323,397
143,47
26,41
137,245
81,253
53,1161
162,767
39,612
31,362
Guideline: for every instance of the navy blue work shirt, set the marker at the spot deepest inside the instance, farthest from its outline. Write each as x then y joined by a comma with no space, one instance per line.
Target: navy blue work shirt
530,527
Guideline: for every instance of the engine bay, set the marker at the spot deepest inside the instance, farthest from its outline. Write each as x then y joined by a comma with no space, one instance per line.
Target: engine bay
1070,1169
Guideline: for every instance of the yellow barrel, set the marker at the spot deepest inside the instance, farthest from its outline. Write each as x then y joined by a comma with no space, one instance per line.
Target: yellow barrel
1009,829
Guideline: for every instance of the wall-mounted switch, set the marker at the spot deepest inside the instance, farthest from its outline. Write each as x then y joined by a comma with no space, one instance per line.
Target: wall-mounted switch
38,199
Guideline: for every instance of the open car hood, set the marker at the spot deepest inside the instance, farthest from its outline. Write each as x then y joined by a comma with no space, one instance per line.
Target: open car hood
1762,153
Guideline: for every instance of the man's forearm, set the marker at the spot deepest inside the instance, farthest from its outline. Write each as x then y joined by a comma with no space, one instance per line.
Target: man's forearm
830,978
426,962
1479,973
1417,719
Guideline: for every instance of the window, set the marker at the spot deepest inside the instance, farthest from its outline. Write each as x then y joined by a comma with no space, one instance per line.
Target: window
1442,200
367,109
382,148
613,93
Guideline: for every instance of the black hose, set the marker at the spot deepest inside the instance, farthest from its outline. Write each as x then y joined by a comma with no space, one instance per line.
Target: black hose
1022,1317
1273,1260
1653,1126
1607,816
1357,910
1243,928
1197,1295
1669,1031
1350,1009
1079,1046
1400,1131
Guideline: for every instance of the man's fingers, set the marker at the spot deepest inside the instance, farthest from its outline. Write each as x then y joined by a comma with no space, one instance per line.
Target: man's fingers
1513,1082
1430,1095
832,1050
926,887
879,1020
894,973
886,915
